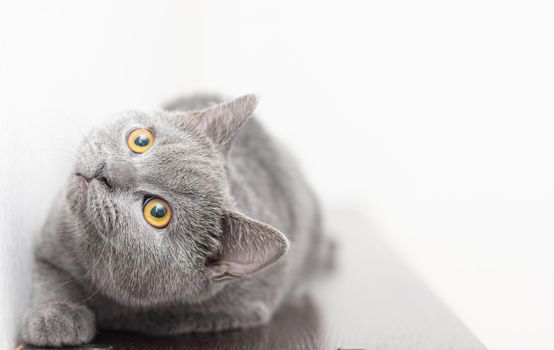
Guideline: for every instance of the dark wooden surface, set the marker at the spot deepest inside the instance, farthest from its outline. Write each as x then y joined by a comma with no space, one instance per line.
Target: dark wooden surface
372,301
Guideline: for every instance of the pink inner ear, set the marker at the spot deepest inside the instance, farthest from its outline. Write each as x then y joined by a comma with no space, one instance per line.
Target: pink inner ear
243,265
230,269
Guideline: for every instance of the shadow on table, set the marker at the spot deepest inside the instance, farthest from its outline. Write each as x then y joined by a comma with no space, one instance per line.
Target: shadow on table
295,326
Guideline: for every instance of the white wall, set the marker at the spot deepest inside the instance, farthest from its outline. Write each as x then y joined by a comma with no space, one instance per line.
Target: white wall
435,117
63,67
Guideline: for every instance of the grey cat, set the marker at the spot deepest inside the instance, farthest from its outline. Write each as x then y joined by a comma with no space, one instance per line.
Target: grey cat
190,219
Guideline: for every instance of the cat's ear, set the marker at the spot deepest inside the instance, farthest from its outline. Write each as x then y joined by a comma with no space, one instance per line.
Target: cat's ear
248,246
223,121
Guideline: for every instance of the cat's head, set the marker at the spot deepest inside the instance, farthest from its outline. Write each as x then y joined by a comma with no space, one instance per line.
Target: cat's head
151,200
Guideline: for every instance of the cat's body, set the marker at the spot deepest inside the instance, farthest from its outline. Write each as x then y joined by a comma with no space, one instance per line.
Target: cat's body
87,277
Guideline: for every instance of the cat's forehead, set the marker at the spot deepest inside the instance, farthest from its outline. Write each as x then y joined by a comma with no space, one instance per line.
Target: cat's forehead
181,166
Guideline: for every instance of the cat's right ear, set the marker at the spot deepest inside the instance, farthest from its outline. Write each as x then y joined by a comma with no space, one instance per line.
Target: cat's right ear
221,122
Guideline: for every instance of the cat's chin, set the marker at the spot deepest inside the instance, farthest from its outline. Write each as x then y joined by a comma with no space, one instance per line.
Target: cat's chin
123,296
156,302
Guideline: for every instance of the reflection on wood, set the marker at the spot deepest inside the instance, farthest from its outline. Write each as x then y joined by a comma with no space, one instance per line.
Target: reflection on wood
296,323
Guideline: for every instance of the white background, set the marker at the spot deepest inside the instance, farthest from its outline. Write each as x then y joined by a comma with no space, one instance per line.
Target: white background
434,118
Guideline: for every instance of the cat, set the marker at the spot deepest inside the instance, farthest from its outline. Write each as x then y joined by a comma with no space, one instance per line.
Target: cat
186,219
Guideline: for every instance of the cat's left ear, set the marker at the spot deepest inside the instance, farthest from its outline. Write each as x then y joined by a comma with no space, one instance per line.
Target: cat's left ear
222,122
247,246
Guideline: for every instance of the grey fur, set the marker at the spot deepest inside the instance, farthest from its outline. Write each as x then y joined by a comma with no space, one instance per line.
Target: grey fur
219,264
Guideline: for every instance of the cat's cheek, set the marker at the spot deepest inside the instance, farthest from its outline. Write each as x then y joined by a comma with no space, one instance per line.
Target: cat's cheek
76,195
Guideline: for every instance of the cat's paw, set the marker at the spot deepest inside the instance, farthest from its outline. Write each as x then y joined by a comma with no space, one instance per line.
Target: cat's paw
253,315
259,313
58,324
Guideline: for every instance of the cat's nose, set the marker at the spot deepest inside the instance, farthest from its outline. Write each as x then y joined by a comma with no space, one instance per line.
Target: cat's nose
113,173
93,172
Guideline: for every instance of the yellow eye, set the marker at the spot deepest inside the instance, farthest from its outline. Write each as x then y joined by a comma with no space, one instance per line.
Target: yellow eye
157,212
140,140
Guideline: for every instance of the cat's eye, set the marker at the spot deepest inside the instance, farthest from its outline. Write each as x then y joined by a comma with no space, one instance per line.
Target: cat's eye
140,140
156,212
